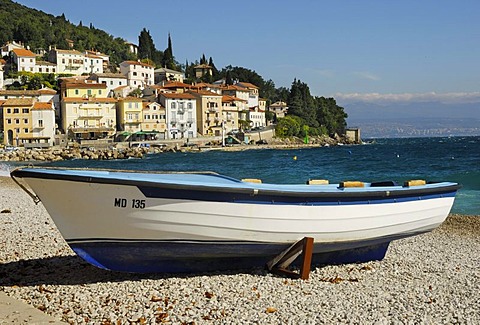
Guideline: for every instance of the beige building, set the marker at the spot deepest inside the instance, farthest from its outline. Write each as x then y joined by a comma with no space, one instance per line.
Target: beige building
154,120
28,123
231,109
279,109
87,112
209,112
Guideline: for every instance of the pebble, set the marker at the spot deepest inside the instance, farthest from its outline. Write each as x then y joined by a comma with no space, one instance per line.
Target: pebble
428,279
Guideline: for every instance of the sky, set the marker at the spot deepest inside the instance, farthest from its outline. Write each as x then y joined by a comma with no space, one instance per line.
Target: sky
380,51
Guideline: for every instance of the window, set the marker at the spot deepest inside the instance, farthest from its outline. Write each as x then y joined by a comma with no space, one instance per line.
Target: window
89,92
173,105
189,105
25,130
25,120
99,91
147,116
17,121
111,82
25,110
40,123
181,105
16,111
134,73
9,110
129,105
9,121
76,91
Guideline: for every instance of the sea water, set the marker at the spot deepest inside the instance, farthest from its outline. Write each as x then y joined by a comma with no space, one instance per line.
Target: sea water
455,159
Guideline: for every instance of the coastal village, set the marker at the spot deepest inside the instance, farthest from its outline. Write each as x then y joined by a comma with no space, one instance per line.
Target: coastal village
136,105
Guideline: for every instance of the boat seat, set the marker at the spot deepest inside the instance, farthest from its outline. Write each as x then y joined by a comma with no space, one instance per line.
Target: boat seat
351,184
251,180
414,182
318,182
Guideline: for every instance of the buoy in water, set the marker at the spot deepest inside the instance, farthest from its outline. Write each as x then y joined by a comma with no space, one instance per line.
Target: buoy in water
294,157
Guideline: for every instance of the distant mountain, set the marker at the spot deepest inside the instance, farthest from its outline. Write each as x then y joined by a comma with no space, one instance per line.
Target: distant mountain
414,119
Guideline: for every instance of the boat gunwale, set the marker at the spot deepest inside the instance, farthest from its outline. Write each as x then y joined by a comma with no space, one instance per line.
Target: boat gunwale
249,188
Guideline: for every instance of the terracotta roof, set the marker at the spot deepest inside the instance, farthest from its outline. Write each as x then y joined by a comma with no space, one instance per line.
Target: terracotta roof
204,93
234,87
176,84
83,85
23,52
146,104
90,99
178,95
138,63
19,92
227,98
247,85
18,102
120,87
42,106
47,91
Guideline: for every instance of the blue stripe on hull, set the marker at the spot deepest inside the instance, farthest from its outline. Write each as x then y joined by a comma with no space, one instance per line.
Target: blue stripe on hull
173,257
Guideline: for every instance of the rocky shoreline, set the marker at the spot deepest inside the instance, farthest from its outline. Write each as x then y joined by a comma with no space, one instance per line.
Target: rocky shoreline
125,152
427,279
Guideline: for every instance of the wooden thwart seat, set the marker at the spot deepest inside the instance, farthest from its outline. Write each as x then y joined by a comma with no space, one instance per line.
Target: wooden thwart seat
318,182
251,180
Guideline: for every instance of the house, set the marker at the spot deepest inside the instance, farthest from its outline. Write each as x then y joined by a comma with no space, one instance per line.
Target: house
256,117
209,112
129,114
86,111
279,109
164,74
111,80
28,123
8,47
45,67
206,86
238,92
93,63
252,93
24,60
175,87
203,70
180,115
67,61
139,75
154,120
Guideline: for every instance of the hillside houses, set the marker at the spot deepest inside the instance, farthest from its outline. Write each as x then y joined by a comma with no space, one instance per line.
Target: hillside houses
128,105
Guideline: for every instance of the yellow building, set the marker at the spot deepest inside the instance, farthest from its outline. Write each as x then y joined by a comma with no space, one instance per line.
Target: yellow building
129,114
28,122
231,109
87,113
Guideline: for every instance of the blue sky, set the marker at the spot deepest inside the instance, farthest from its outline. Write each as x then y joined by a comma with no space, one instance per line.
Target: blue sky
352,50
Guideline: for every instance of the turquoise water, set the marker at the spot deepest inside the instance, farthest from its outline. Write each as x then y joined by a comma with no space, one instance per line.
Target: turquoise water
454,159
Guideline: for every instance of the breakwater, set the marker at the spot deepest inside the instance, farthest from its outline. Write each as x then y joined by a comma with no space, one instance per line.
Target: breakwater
77,153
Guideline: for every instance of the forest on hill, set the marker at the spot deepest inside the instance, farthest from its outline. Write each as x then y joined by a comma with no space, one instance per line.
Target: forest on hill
40,31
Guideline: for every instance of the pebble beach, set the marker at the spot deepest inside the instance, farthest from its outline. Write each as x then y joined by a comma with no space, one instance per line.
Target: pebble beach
433,278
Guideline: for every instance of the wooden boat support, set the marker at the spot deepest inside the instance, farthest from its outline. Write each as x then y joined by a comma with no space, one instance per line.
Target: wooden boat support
280,263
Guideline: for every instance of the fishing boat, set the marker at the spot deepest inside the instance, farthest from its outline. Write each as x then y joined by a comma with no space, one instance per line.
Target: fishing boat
136,221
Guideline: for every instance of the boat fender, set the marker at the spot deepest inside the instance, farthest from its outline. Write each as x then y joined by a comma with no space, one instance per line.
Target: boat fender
351,184
414,182
252,180
318,182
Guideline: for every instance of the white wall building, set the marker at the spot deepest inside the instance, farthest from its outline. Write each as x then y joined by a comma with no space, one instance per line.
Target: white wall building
112,80
138,74
24,60
181,114
43,122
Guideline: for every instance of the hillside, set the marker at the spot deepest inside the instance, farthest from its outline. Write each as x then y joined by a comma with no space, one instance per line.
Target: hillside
40,31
